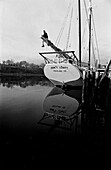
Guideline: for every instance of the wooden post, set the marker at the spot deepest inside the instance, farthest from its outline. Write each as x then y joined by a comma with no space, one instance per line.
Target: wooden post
105,73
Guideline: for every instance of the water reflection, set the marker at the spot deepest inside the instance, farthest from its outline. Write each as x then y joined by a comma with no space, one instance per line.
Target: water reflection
62,103
42,122
27,108
62,109
23,82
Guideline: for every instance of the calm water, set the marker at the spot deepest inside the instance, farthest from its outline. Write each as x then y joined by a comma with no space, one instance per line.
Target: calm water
42,123
37,120
25,104
21,104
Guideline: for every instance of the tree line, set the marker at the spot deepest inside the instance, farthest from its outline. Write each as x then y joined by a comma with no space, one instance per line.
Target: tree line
9,66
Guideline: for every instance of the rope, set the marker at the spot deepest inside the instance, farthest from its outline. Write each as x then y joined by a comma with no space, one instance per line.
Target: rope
84,31
69,29
95,37
94,34
93,51
63,26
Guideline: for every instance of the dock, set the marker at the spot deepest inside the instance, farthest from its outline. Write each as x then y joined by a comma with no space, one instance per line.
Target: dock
96,116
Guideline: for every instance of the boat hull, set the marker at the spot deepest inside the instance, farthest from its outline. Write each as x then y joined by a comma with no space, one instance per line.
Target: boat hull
63,73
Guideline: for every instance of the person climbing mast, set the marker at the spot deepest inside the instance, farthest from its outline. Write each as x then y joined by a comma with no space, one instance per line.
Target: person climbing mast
45,35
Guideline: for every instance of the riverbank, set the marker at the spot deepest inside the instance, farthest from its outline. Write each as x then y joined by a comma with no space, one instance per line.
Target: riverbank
20,74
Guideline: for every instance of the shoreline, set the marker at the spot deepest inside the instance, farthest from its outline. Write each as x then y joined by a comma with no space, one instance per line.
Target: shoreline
20,74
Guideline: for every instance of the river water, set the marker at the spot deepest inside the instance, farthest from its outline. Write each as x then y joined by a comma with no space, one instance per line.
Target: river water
37,120
42,123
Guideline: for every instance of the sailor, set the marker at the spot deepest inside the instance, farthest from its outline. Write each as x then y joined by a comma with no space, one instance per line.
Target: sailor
45,35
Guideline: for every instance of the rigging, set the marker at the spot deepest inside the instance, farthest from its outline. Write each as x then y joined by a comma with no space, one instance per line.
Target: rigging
94,30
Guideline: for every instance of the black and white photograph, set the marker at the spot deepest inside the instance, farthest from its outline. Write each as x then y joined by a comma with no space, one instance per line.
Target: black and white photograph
55,84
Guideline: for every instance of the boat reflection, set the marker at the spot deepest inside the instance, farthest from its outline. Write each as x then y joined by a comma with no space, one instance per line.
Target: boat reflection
62,108
62,103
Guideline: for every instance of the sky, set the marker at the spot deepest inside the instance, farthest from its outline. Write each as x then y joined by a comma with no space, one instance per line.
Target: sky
22,22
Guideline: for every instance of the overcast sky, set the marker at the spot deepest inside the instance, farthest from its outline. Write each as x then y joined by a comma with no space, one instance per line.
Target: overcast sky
22,22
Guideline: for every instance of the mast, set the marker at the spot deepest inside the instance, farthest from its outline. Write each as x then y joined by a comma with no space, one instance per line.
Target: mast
90,13
79,16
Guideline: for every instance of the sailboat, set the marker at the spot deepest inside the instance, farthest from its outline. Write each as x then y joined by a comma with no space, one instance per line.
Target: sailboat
64,69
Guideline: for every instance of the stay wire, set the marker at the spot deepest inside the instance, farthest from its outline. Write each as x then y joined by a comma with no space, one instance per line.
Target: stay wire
63,25
69,29
94,33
